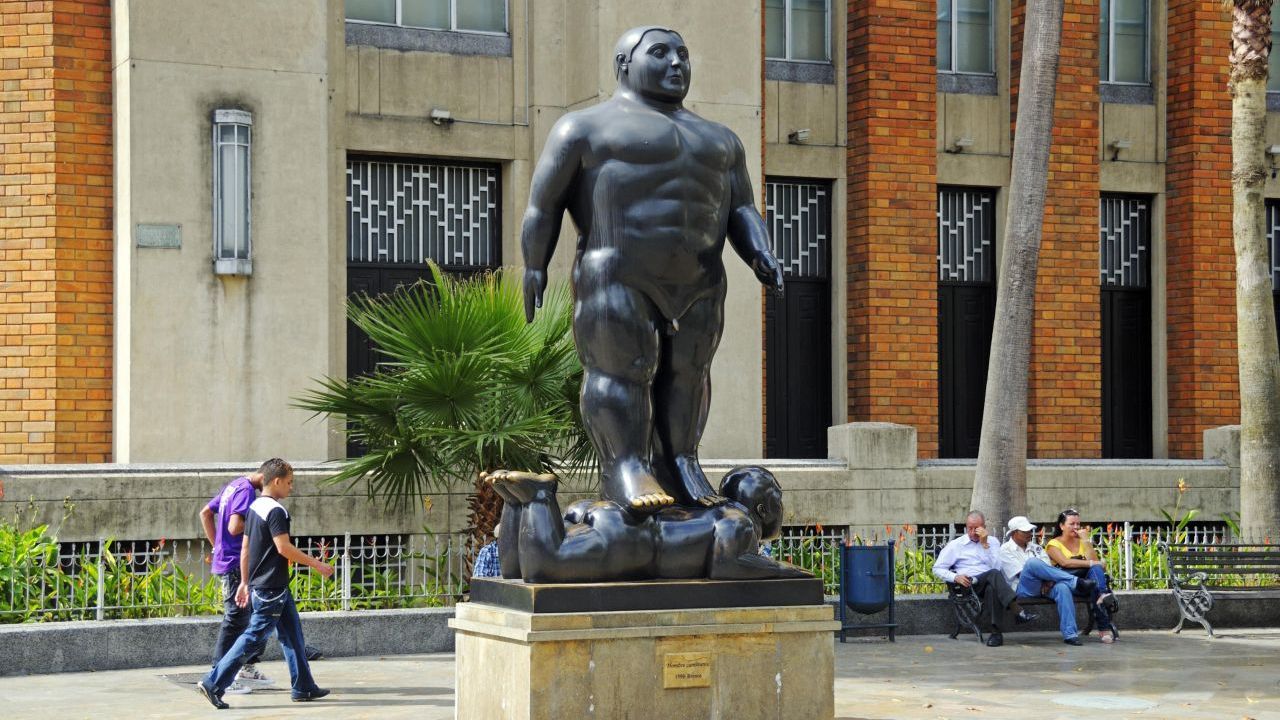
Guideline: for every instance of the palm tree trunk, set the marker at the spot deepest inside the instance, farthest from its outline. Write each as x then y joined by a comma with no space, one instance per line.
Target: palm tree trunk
1000,484
1258,355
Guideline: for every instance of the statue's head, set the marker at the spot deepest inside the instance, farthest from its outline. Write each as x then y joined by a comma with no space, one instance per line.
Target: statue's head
654,62
757,490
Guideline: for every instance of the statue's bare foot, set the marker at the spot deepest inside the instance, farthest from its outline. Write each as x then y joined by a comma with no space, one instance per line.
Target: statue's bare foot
634,486
695,482
521,487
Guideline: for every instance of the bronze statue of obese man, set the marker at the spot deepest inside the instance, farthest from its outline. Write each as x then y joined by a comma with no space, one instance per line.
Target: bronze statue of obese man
653,190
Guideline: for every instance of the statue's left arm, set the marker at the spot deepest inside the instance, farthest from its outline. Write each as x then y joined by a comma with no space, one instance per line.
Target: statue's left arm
747,231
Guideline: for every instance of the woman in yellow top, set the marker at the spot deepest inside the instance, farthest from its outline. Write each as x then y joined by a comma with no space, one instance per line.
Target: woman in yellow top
1071,550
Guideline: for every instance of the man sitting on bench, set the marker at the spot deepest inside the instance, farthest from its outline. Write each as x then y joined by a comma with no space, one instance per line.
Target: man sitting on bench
1026,567
972,561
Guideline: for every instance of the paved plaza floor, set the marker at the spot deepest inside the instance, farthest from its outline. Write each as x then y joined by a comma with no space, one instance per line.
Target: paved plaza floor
1145,675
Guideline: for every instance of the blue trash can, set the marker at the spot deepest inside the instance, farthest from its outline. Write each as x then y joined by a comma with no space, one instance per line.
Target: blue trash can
866,585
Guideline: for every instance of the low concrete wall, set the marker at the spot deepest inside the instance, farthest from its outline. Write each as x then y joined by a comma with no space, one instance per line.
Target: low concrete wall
874,480
40,648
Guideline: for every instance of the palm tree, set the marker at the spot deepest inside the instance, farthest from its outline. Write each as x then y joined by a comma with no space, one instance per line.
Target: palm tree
466,386
1255,314
1000,483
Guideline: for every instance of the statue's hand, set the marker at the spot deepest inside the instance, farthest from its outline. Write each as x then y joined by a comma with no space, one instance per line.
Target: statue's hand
535,283
769,272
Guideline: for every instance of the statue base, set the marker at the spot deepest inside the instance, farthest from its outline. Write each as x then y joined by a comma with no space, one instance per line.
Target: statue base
771,662
644,594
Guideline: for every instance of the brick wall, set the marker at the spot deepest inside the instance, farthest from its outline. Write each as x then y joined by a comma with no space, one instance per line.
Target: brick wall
1203,387
1065,395
55,231
892,251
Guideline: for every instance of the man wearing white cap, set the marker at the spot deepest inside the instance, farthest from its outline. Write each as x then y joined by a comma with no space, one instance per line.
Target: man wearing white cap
1026,566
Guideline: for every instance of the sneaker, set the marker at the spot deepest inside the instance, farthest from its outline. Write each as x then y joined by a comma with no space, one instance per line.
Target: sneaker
237,688
1073,641
207,693
309,696
251,676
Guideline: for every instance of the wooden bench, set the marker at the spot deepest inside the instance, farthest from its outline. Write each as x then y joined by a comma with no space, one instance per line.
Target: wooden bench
968,608
1197,570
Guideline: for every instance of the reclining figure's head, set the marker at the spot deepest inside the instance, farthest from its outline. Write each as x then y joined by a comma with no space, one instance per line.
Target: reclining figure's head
757,490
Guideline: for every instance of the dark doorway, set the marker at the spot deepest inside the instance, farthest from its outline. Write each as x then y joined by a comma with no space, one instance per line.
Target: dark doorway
798,325
1124,250
966,315
373,280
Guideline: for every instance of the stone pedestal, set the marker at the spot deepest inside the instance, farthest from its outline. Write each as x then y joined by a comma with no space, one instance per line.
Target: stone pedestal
774,662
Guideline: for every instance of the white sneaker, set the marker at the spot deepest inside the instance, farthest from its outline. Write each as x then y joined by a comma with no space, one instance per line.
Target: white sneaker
251,676
237,688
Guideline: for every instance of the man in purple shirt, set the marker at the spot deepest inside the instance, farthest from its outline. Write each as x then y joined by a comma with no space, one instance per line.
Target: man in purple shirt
973,561
223,521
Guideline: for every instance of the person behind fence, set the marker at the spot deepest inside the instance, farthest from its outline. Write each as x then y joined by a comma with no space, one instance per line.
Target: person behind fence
1026,566
264,569
223,521
973,561
487,564
1070,549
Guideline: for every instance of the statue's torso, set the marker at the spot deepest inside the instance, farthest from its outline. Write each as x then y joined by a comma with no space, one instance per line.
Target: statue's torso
652,201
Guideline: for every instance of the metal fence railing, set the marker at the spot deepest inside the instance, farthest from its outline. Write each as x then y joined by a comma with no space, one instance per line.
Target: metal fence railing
42,579
106,579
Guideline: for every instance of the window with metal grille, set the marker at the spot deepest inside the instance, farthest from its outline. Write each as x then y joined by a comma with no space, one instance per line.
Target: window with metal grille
1125,231
798,214
966,235
1273,239
404,212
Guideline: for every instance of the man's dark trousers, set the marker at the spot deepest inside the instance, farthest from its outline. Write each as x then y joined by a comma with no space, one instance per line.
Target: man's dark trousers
996,596
234,618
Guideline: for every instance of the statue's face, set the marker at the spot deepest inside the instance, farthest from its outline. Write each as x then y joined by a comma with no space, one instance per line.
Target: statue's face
659,67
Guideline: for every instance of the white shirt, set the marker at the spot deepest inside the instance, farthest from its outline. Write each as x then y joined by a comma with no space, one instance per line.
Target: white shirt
1013,558
963,556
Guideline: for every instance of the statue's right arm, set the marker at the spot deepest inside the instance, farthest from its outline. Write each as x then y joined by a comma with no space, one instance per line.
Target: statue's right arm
553,178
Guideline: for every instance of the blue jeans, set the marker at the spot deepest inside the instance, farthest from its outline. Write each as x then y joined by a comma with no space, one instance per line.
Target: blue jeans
272,610
1037,572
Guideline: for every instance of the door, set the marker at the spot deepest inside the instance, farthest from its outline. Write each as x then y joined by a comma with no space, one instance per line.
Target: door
402,214
966,315
798,325
1124,262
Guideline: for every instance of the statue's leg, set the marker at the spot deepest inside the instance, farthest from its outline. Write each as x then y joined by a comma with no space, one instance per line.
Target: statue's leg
616,329
682,395
509,532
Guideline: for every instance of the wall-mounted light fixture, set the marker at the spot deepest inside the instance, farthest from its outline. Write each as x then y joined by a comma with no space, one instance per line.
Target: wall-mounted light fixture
1116,146
960,145
440,116
1273,151
232,192
798,137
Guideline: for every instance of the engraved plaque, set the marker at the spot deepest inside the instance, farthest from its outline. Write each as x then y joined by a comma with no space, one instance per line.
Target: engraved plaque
686,670
158,236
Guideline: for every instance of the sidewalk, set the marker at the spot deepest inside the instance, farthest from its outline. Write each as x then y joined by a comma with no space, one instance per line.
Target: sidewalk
1146,675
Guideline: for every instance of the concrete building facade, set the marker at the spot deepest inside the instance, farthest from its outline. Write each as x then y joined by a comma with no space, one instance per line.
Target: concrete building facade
191,191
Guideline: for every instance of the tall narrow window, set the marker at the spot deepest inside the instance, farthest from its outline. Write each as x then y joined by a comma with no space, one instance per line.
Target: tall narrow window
1273,74
232,193
486,16
1124,264
1124,37
797,30
1273,244
965,37
966,314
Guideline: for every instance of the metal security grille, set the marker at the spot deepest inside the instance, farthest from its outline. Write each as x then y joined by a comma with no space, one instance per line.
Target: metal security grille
412,212
966,235
1125,236
1273,239
798,215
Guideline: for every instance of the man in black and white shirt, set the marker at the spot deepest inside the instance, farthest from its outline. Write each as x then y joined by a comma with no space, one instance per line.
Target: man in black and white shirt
264,571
